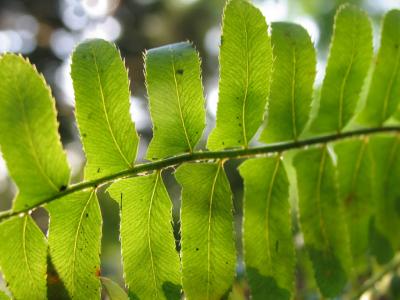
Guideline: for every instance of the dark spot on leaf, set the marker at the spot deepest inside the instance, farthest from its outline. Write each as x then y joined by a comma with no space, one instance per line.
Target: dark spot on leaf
84,135
223,143
171,290
98,170
222,39
87,215
265,287
349,199
63,188
239,141
154,158
240,124
179,71
277,246
197,249
396,46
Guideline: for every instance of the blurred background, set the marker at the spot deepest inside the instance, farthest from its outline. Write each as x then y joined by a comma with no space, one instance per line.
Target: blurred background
46,31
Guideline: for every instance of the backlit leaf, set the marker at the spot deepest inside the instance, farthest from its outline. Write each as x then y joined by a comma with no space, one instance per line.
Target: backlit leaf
208,248
176,99
114,291
102,108
245,71
348,63
292,83
29,139
384,91
268,240
151,263
356,193
322,220
23,252
74,242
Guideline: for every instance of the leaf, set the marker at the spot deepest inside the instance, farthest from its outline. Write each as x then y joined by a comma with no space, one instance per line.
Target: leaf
28,133
102,94
355,192
349,59
114,291
74,242
384,91
386,157
208,248
176,99
23,253
3,296
151,263
292,83
322,220
245,72
267,233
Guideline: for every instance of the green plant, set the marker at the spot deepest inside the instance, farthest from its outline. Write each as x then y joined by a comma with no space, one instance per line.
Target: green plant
347,182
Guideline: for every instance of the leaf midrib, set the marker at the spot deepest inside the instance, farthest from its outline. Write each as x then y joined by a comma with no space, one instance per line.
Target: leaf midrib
247,82
30,141
318,199
346,75
178,98
390,86
268,210
209,229
149,235
105,110
76,242
24,249
294,73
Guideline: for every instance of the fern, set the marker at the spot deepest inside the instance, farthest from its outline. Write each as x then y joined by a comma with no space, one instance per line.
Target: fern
342,186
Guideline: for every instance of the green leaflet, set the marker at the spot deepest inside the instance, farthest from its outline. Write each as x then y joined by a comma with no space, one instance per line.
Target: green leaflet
348,63
384,91
386,157
176,99
28,133
245,72
3,296
114,291
208,248
23,252
292,83
74,242
322,219
102,108
268,242
151,263
355,192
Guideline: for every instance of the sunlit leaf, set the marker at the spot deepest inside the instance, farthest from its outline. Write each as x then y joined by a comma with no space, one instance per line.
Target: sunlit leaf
23,251
29,139
245,71
267,231
176,99
102,94
208,248
292,83
151,263
74,242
